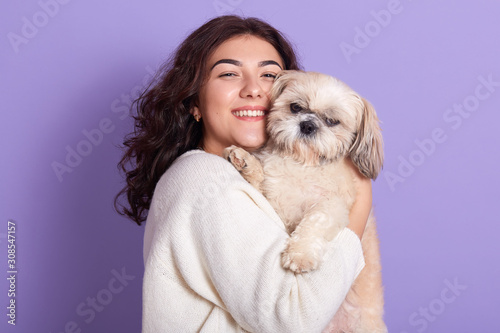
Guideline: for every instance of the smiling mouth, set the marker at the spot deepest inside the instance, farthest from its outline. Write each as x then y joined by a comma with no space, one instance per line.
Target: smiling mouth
249,113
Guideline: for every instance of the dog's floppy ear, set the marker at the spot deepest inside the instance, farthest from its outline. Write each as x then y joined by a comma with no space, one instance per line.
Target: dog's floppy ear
367,151
280,83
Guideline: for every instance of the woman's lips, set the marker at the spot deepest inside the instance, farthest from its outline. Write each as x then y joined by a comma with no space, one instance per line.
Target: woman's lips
250,112
249,115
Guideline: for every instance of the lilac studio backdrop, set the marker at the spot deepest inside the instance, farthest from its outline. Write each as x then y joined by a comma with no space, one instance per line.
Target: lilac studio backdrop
69,70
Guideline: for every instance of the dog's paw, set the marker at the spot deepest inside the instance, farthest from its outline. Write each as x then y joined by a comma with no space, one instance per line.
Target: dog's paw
298,262
237,156
300,258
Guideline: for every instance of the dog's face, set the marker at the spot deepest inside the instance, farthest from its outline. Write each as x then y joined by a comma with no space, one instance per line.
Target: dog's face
316,118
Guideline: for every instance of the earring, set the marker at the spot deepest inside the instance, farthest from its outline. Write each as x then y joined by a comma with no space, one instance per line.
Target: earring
197,117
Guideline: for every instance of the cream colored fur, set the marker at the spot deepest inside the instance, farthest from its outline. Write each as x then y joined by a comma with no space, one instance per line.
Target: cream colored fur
315,122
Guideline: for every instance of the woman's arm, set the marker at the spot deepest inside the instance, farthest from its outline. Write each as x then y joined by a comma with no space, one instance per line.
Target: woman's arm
226,242
363,204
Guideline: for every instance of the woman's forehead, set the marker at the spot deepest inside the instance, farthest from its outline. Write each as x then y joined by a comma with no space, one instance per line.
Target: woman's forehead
246,49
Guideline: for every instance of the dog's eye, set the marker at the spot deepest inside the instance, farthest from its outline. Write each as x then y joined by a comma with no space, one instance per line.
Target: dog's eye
294,107
330,122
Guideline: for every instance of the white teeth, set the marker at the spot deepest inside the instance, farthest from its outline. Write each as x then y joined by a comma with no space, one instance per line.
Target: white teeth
249,113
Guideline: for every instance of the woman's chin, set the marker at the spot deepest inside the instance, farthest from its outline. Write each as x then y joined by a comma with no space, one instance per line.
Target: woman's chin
252,144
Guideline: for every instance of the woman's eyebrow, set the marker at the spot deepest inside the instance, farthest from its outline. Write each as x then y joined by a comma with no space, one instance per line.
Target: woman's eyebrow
239,64
269,62
228,61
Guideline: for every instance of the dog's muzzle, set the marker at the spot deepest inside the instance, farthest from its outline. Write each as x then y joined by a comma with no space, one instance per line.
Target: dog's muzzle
307,127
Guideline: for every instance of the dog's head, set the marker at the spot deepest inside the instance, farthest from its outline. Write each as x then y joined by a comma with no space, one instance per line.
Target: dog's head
316,118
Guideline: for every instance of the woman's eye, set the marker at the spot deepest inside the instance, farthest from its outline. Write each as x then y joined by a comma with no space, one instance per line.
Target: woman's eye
330,122
273,76
227,74
294,107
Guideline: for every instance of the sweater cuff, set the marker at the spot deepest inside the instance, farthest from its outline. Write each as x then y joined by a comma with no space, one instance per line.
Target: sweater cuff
348,240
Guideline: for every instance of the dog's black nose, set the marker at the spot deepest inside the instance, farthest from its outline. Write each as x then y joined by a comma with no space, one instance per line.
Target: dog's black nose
307,127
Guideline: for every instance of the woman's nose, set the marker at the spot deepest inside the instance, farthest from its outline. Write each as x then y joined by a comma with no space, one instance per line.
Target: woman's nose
252,88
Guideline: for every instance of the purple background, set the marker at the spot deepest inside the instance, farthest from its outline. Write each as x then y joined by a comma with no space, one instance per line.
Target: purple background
77,66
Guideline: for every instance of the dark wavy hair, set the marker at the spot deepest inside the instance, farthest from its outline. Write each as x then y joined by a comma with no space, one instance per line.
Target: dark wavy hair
164,127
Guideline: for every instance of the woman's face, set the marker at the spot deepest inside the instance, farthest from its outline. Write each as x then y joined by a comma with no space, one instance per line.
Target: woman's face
234,101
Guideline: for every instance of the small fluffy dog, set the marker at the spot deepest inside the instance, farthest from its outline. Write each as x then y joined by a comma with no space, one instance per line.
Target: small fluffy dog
315,123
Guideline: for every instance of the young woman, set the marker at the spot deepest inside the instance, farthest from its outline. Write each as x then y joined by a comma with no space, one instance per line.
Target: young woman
212,244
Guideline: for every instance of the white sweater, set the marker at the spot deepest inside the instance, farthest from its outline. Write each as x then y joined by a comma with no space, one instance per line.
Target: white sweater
212,249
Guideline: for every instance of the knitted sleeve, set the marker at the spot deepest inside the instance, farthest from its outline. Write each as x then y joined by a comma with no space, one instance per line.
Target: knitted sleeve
226,242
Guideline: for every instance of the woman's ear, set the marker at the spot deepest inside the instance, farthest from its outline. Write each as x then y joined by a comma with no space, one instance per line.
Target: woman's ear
196,113
367,151
194,105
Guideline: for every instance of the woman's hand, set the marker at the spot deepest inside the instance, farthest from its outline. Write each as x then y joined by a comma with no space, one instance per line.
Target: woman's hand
363,204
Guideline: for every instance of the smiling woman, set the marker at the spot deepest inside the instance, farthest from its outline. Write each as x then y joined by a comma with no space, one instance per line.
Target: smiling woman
234,100
166,125
213,243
